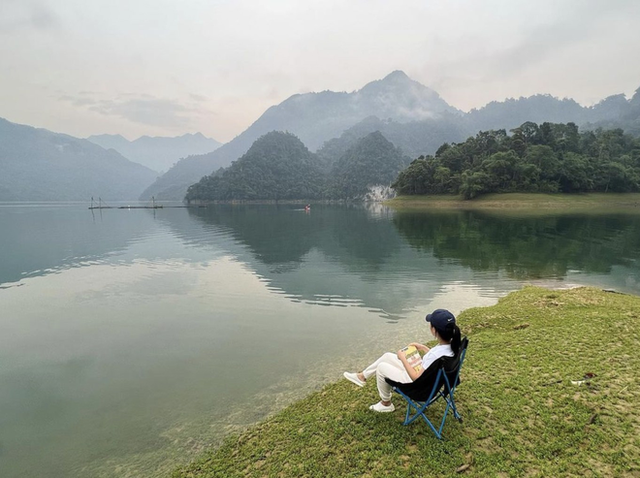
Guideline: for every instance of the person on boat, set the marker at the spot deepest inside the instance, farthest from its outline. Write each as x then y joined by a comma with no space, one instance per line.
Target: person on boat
396,367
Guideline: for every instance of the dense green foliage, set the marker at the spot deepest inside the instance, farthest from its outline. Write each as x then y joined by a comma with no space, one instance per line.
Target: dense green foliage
373,160
279,167
545,158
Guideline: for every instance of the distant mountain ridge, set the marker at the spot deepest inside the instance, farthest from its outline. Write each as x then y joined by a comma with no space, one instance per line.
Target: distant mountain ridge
314,118
158,153
412,116
39,165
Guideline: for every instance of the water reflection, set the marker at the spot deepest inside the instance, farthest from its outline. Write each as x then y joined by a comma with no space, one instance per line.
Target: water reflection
42,239
339,256
335,255
527,248
120,350
352,254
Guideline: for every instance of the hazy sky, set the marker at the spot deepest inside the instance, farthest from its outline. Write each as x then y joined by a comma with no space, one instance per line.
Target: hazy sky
168,67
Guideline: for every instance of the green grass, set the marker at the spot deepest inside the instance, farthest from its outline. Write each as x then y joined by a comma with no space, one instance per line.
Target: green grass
524,201
522,415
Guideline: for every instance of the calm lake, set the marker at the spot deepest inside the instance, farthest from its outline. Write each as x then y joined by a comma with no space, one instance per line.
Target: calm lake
132,339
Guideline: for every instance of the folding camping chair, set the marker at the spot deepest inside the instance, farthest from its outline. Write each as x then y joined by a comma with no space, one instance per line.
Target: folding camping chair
438,381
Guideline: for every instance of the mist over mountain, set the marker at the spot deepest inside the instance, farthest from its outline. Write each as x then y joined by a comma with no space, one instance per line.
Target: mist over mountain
537,109
410,115
318,117
616,112
314,118
157,153
413,138
424,137
38,165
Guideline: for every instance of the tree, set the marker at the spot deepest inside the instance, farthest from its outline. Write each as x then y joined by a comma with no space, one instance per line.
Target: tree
548,158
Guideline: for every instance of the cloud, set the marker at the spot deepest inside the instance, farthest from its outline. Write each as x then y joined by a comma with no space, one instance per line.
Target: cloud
198,98
531,50
16,15
141,108
192,59
77,101
153,112
43,18
544,41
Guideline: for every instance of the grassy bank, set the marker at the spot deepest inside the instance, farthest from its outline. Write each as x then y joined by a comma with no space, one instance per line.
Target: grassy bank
522,201
522,414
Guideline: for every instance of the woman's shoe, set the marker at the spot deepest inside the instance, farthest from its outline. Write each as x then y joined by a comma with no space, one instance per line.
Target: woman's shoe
353,377
379,407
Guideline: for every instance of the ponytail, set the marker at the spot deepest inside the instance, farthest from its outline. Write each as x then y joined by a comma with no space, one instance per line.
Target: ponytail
451,334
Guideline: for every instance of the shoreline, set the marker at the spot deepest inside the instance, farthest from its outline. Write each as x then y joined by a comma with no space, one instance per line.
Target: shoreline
517,398
578,202
583,202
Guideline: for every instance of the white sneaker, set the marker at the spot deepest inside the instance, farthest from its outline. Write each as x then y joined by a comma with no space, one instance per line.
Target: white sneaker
379,407
353,377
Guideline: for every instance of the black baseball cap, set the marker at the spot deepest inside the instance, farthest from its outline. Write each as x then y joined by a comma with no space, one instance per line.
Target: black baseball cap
439,318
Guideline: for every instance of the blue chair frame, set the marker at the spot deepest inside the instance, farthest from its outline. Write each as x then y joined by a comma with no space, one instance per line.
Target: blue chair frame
438,381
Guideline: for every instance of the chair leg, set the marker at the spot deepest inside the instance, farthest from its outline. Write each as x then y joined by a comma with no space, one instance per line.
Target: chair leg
450,400
420,407
419,412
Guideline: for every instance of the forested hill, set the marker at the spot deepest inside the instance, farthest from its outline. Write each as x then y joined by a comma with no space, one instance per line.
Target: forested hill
372,161
546,158
277,166
617,112
39,165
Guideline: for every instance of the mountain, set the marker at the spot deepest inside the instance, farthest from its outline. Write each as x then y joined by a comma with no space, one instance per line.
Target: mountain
424,137
537,109
38,165
157,153
616,112
409,114
277,166
314,118
413,138
372,161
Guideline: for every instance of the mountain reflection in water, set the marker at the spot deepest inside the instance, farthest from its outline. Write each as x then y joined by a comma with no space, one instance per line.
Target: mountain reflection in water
436,247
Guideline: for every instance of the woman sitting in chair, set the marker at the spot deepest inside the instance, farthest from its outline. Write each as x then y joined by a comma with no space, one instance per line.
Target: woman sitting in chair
397,368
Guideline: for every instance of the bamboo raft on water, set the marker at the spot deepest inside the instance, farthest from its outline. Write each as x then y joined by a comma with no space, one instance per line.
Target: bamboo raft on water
153,206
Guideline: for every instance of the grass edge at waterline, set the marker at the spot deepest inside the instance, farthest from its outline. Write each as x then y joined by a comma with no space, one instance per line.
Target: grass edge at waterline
561,202
525,410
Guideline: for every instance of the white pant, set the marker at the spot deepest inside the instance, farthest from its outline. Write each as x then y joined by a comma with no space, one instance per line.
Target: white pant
387,366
